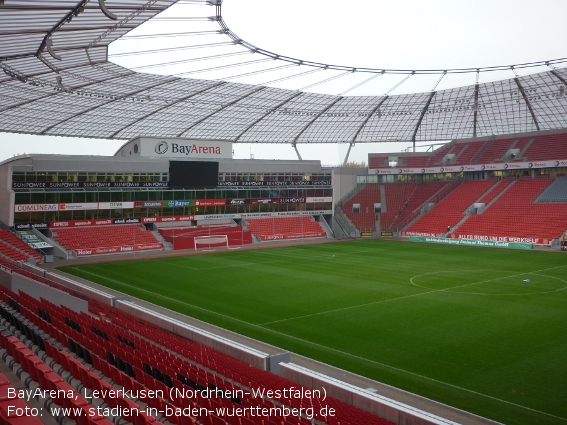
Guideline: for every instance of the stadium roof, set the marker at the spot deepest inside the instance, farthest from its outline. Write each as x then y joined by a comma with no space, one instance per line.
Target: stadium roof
57,80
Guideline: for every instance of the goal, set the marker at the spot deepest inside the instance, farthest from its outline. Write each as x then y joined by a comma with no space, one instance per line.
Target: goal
213,240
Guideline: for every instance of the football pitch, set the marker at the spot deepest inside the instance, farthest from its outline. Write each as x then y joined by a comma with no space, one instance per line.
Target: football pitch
481,329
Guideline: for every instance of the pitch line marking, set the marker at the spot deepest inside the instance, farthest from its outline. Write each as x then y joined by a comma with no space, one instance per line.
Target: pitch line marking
504,277
330,348
304,258
398,298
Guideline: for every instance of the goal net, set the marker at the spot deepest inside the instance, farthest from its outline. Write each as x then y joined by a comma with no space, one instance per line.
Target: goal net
211,241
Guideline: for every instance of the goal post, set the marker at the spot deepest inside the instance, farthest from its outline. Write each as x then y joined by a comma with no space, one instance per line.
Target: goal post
212,240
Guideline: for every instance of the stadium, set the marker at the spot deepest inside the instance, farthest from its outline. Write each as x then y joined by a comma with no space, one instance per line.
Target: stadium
170,282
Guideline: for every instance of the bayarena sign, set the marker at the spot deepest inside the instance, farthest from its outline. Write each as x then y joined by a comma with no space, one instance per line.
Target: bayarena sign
183,148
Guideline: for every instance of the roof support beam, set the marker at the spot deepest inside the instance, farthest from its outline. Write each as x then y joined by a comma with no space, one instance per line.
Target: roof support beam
52,94
365,121
310,123
274,109
103,104
423,112
475,109
183,99
528,104
559,77
257,89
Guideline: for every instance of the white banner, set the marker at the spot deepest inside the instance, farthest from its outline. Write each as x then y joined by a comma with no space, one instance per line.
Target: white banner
185,148
115,205
36,207
319,199
78,206
476,167
263,214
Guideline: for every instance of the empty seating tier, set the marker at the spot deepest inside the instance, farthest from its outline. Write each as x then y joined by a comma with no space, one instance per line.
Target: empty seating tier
514,214
184,237
450,210
12,247
106,239
275,228
161,370
550,146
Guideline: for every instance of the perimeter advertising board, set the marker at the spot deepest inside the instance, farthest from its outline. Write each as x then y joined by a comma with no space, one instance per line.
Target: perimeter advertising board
471,242
475,167
153,147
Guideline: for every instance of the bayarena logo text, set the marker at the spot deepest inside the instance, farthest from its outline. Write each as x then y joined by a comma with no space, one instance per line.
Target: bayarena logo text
161,147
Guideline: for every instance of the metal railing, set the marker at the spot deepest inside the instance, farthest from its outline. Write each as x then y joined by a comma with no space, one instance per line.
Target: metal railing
345,224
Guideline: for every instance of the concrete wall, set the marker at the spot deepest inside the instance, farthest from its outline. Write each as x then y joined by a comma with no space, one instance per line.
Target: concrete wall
85,290
38,290
5,278
7,196
384,407
344,181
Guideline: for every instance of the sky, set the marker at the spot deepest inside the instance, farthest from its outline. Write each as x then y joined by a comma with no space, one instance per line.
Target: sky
381,34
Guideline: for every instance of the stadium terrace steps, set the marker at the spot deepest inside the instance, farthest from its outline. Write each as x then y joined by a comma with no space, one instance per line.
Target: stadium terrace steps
450,210
514,214
496,151
12,247
495,191
438,155
402,202
275,228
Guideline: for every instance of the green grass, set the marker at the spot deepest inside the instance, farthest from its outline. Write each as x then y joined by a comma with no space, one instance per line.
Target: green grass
454,324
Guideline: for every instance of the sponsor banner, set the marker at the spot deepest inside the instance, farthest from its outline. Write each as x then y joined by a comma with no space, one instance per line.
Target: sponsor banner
310,200
70,185
101,222
475,167
113,249
302,235
291,200
238,201
35,207
78,206
263,214
471,242
184,148
28,226
167,219
434,235
148,204
263,201
33,240
210,202
513,239
39,245
114,205
81,223
177,204
126,221
270,183
366,234
387,234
